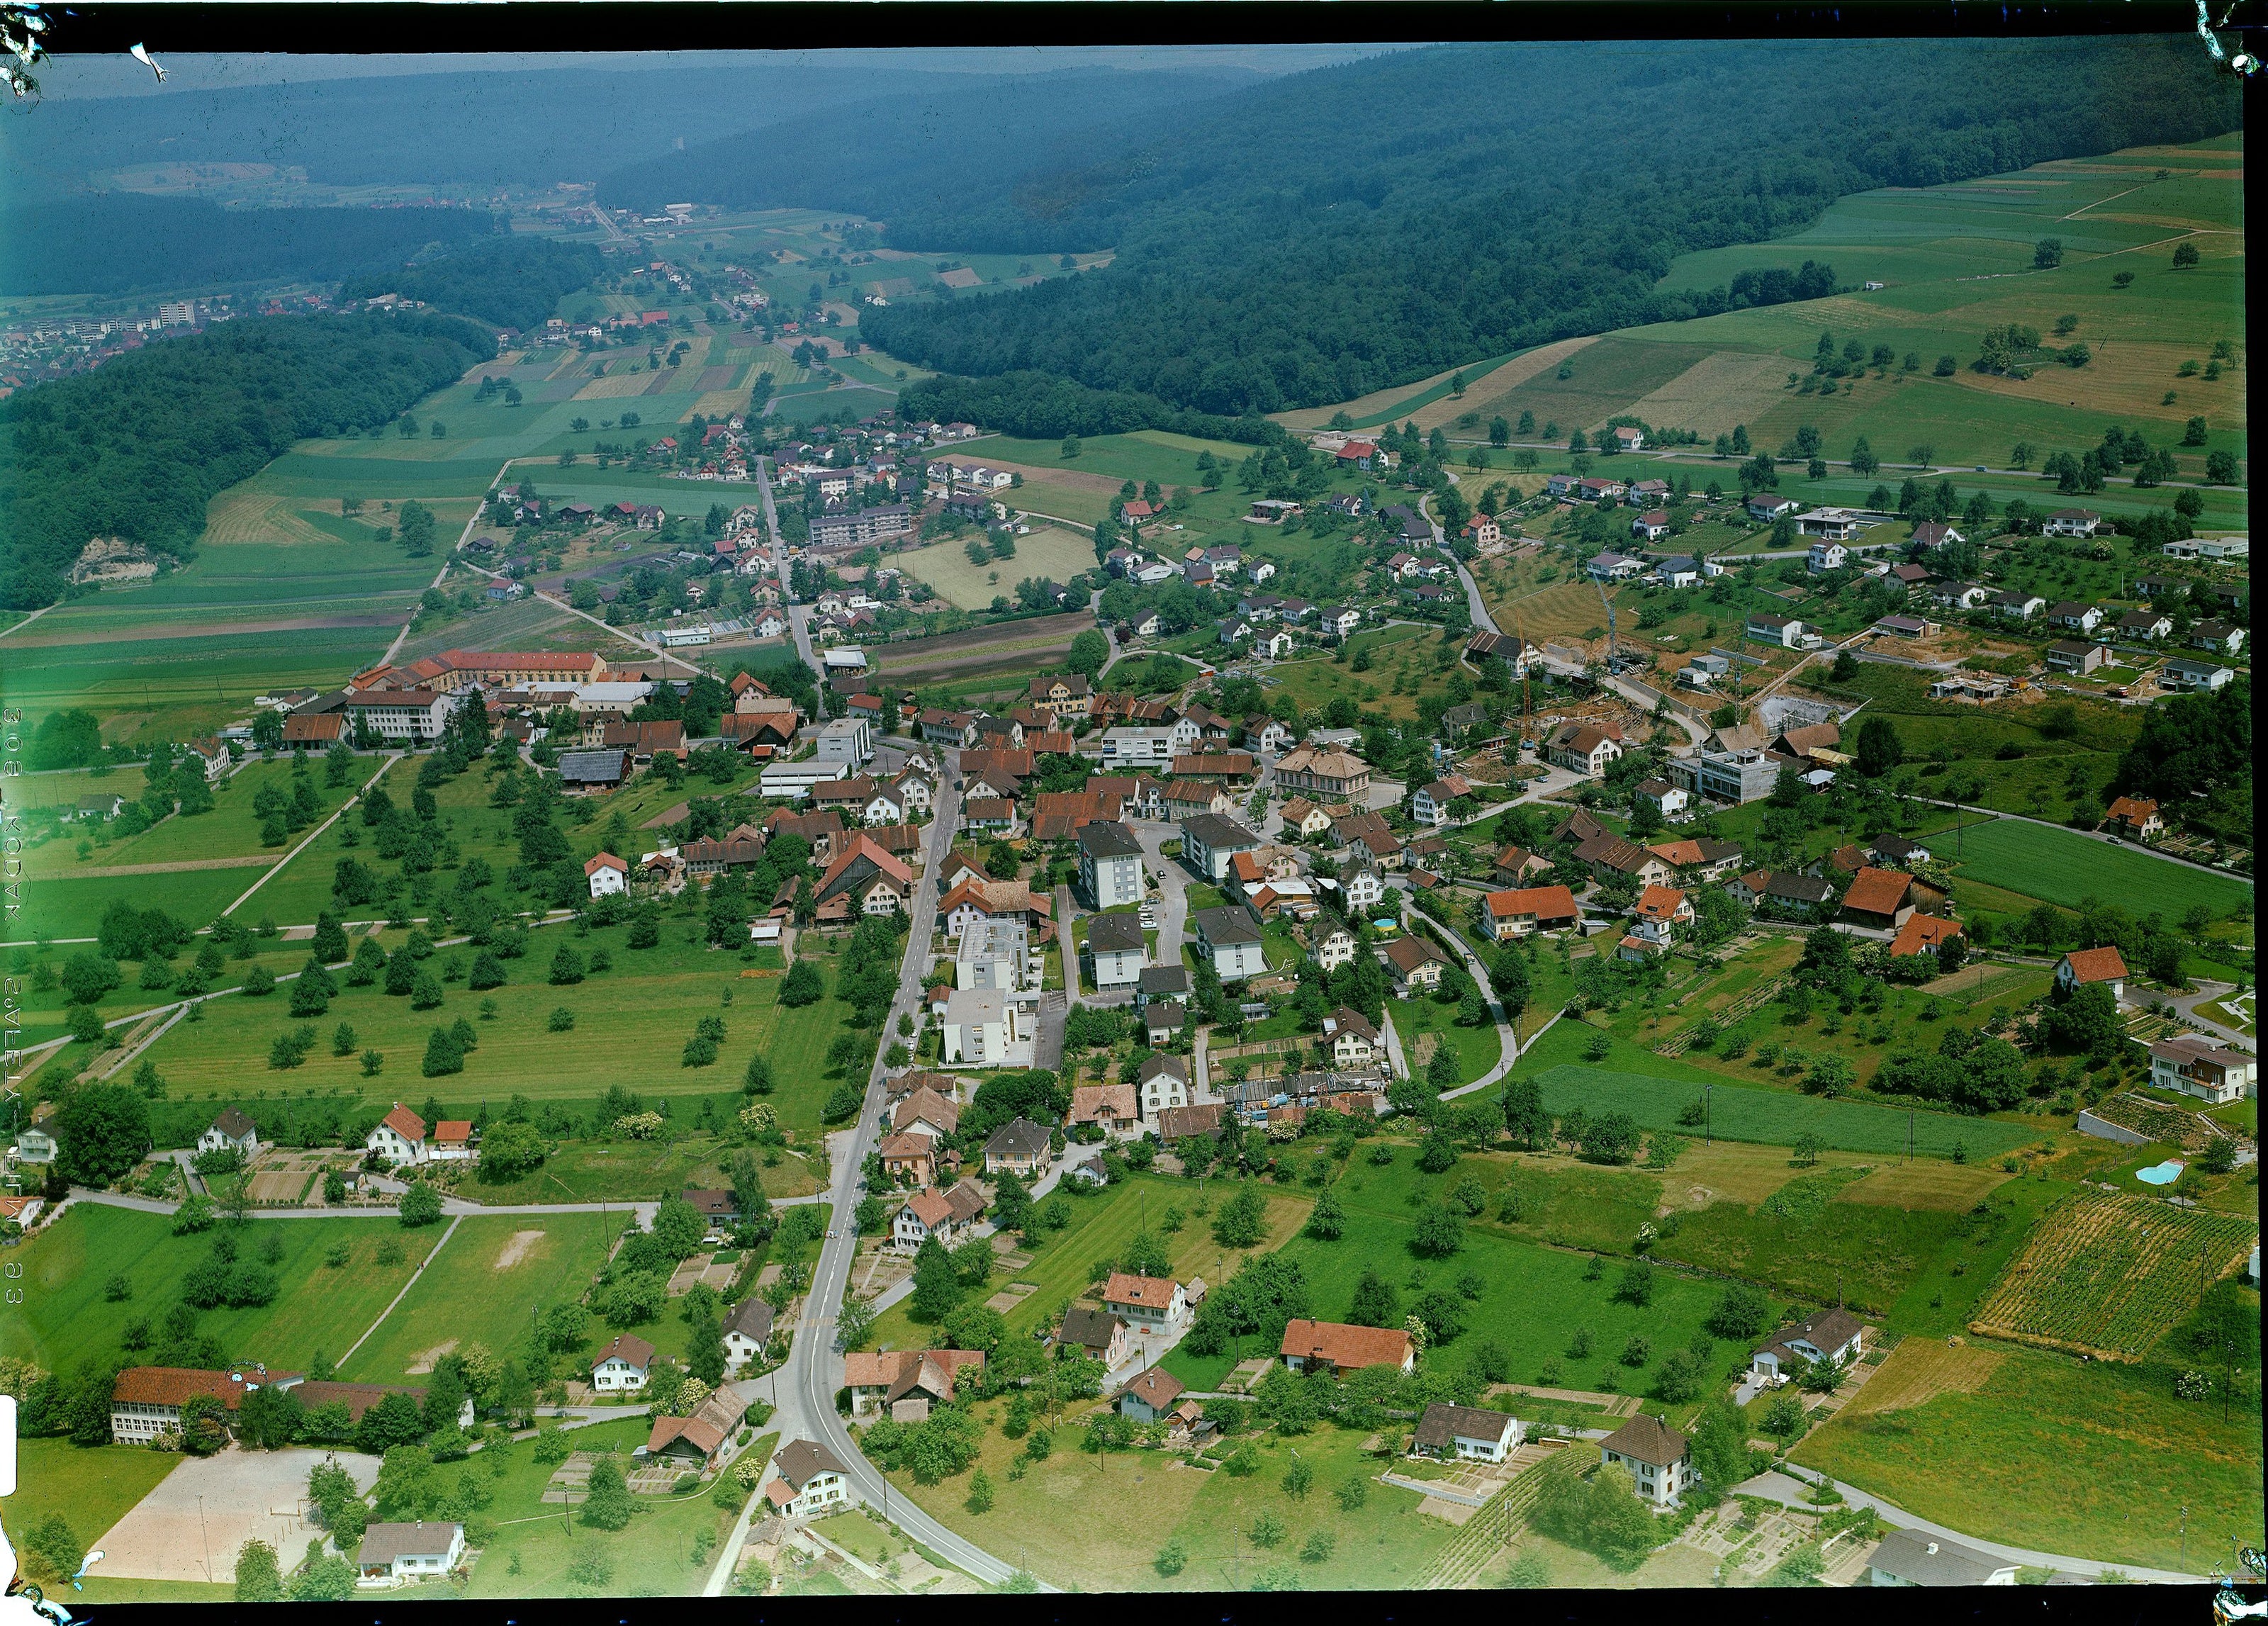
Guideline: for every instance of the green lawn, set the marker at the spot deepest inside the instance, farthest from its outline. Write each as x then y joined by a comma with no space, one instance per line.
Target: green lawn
1656,1096
2095,1460
92,1488
2063,867
472,1296
1476,1048
68,1319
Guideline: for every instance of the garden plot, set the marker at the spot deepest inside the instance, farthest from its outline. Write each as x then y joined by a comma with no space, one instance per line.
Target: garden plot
2108,1275
191,1528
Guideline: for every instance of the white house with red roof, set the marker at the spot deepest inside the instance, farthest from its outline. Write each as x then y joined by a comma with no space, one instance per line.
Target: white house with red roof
607,875
622,1366
399,1136
1146,1303
2083,966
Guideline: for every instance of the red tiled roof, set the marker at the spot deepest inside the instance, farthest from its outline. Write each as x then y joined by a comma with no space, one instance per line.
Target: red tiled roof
174,1385
405,1123
1921,932
1659,903
1878,892
1543,902
1149,1292
1346,1346
2096,965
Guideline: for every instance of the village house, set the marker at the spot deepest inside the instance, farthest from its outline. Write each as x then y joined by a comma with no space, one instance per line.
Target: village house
1150,1396
1017,1147
1831,1335
930,1212
232,1132
1354,1043
399,1136
1524,910
146,1402
1430,806
1584,747
1323,772
622,1366
397,1555
702,1441
1336,1347
808,1480
1099,1334
2215,1073
2084,966
1465,1433
1416,965
607,875
1659,1458
2135,817
748,1331
1162,1081
1111,1107
1147,1304
1610,856
1880,900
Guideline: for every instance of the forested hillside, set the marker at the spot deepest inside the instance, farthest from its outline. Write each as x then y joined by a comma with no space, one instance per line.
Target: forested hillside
137,448
1337,232
513,283
937,156
117,242
559,124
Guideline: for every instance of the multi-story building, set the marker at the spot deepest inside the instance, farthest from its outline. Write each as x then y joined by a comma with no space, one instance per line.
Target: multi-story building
1110,865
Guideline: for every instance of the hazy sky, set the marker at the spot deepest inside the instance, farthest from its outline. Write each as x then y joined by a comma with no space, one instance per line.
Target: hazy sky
101,75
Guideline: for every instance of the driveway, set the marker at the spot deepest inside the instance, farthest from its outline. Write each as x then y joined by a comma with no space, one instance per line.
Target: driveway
1172,883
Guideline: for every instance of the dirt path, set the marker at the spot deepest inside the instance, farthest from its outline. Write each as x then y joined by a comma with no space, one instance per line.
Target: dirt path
177,867
414,1276
312,835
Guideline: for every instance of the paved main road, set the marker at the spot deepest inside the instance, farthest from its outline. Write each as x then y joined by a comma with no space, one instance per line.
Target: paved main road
813,1371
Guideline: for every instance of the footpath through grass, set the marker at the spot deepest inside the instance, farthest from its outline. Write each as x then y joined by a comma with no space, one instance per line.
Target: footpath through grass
69,1318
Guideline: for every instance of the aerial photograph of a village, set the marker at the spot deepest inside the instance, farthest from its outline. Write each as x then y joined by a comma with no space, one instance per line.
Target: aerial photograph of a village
940,822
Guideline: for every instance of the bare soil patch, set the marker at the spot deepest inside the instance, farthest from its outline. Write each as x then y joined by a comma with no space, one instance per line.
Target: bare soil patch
517,1248
429,1358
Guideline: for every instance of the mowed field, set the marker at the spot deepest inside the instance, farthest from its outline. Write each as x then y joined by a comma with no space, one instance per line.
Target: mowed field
2095,1459
495,1273
1955,260
2063,867
1772,1116
67,1318
1050,551
1015,649
91,1487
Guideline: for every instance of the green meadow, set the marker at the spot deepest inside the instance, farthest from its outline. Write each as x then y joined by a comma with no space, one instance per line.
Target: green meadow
497,1273
67,1316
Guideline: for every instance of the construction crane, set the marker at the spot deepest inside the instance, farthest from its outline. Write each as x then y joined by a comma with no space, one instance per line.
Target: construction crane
1613,646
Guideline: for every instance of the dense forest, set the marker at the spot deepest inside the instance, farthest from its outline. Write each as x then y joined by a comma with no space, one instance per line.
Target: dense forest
921,156
137,448
1337,232
118,242
513,283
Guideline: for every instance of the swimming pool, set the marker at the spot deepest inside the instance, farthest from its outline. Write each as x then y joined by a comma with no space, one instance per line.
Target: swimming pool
2164,1174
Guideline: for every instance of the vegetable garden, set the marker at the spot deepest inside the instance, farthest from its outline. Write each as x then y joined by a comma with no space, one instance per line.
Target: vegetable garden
2108,1275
